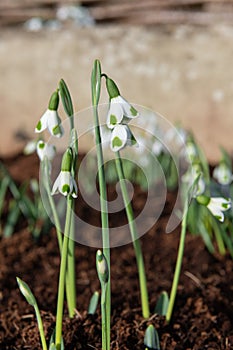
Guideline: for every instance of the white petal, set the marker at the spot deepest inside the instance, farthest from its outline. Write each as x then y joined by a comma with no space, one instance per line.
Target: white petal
119,137
54,124
65,181
75,189
115,114
129,111
45,150
30,147
56,185
43,122
222,174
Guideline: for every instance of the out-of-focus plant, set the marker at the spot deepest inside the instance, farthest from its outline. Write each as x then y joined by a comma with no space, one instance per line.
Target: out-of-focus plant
21,202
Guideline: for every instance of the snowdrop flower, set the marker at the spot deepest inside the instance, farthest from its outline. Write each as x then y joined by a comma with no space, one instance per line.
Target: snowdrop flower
50,119
158,148
45,150
120,111
120,137
190,177
191,151
30,147
223,174
216,205
65,183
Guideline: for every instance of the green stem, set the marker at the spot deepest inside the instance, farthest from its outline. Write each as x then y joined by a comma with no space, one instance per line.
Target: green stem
104,317
46,176
96,89
40,327
62,275
218,236
70,287
178,264
135,239
71,271
104,217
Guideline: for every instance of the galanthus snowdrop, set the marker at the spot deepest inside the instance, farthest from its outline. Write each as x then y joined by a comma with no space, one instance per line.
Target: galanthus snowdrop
120,137
191,151
45,150
216,205
120,111
50,119
30,147
223,174
65,183
191,176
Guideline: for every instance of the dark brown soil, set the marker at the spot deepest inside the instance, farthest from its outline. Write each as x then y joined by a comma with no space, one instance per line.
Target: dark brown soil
203,315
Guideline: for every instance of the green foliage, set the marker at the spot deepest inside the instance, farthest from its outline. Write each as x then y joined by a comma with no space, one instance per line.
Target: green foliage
162,304
151,339
93,303
21,201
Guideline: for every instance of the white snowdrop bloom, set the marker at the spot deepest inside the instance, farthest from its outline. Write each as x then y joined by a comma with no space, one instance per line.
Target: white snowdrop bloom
190,177
65,183
158,148
191,151
30,147
45,150
50,119
120,111
120,137
216,205
223,174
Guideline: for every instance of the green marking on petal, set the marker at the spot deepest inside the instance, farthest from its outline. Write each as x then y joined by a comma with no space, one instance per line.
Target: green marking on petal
39,126
41,145
116,142
225,205
65,189
218,217
133,140
113,119
56,130
133,111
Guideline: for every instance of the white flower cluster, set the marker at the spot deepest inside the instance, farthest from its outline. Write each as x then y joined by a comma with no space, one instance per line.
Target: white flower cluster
119,115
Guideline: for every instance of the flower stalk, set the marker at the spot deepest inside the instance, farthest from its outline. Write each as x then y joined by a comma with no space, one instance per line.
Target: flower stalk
135,238
96,88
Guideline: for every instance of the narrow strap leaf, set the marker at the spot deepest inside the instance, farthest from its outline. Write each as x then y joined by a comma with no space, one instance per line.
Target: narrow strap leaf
66,98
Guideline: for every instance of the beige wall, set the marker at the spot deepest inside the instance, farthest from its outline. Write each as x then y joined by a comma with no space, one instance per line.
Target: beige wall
184,73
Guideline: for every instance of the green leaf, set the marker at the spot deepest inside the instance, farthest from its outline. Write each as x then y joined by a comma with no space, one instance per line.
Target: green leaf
3,188
66,98
96,82
26,291
162,304
151,339
12,219
93,303
52,345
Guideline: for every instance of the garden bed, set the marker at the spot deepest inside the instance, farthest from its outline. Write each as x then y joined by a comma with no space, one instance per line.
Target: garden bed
203,311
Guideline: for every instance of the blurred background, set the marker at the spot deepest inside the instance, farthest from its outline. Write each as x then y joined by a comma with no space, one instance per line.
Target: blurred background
173,56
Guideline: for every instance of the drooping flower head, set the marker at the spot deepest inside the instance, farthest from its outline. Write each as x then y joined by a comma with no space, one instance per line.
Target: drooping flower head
45,150
119,115
216,205
50,119
222,173
120,111
65,182
194,174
